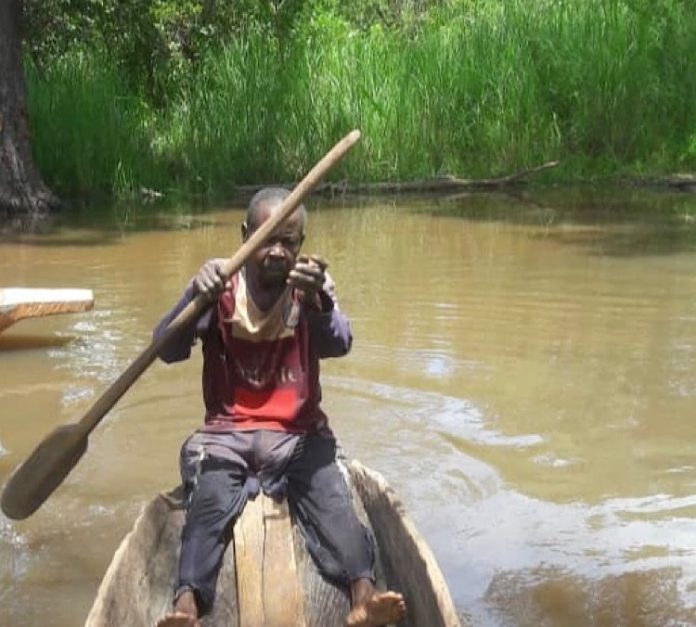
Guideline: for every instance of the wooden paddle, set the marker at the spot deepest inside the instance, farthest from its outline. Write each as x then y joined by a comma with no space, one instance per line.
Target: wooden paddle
44,470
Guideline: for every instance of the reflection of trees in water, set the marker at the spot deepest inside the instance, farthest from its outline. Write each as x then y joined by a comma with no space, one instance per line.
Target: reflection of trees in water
616,222
100,229
552,596
647,238
623,222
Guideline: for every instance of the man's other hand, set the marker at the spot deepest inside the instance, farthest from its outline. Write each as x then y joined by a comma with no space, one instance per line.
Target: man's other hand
308,277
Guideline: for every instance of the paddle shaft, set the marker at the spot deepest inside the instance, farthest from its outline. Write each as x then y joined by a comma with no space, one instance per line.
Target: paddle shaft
200,303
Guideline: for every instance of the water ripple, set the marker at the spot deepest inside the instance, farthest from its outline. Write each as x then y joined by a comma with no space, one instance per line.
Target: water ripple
458,417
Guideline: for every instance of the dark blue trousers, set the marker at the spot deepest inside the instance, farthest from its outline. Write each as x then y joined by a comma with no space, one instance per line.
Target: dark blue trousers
319,500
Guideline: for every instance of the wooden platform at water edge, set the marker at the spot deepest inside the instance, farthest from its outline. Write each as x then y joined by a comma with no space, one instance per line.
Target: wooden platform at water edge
18,303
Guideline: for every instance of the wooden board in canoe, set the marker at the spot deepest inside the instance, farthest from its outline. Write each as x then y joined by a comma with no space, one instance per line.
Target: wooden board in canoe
17,303
267,578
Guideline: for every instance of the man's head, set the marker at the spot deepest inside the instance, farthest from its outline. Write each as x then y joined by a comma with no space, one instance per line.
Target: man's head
277,256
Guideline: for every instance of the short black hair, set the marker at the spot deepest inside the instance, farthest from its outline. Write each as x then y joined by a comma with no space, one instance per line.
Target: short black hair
269,196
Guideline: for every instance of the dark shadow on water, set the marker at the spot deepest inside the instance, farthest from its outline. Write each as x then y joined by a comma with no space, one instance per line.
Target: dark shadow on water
82,226
617,221
640,241
606,222
13,342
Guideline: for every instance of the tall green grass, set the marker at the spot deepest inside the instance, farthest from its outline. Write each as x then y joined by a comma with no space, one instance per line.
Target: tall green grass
91,135
472,89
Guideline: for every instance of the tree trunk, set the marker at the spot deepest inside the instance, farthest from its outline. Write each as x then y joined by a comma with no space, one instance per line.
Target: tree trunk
21,189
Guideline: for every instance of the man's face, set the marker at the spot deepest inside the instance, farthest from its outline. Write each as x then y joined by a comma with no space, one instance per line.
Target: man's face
277,256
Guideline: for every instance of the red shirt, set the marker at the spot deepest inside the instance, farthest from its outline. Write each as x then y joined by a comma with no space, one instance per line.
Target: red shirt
261,369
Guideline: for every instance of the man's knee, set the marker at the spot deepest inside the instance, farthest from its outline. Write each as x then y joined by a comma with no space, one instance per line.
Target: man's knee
216,490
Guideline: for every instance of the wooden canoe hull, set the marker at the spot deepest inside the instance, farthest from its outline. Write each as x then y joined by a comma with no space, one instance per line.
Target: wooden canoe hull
267,577
17,303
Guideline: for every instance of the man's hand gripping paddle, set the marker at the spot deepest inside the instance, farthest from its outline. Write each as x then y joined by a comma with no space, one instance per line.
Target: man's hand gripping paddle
44,470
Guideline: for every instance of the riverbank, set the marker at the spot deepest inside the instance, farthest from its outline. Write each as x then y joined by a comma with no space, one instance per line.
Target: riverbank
466,91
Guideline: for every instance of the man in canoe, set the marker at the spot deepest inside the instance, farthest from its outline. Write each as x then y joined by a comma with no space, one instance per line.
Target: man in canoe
262,340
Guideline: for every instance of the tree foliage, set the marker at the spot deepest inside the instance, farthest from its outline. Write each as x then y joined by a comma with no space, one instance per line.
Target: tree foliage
155,41
202,94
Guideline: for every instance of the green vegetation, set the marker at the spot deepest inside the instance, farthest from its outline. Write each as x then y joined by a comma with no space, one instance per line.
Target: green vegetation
173,99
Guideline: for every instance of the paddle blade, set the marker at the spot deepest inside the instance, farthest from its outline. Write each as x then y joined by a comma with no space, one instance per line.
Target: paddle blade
43,471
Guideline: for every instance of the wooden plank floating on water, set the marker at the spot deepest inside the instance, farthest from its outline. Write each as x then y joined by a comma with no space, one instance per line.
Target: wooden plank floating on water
267,577
17,303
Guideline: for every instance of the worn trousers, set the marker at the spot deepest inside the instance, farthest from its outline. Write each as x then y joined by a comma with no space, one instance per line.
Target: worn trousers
222,471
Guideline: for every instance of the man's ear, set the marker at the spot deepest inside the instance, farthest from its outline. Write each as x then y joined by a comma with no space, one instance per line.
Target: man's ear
245,232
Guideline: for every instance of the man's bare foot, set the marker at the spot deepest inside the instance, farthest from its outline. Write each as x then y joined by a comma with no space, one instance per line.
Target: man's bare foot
185,613
380,609
178,619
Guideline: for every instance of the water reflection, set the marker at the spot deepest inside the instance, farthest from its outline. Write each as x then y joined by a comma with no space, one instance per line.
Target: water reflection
599,221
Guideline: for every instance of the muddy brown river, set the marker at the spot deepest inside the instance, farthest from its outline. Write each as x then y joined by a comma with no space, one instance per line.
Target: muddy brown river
523,374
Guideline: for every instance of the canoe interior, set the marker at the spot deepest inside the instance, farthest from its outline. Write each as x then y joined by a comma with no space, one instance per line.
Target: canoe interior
267,577
17,303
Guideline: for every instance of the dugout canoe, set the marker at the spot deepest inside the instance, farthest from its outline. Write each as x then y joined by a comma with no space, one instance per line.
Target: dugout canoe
267,578
17,303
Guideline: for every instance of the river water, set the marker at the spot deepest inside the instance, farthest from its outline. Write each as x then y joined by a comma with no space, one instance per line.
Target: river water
523,374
